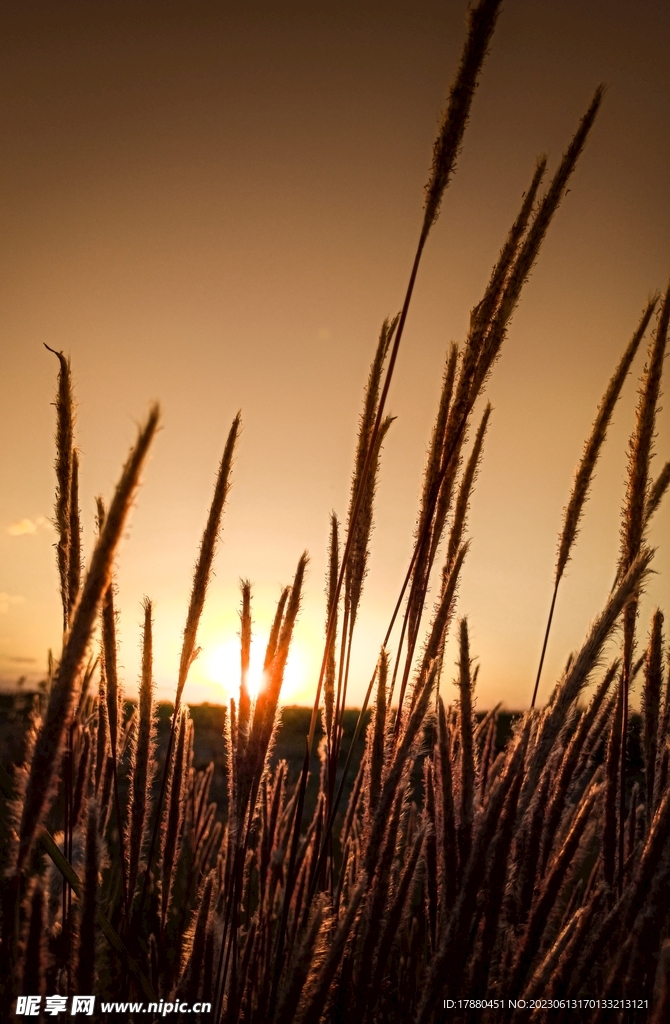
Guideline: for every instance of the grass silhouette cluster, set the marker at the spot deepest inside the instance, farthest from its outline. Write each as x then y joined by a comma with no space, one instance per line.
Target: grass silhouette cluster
455,869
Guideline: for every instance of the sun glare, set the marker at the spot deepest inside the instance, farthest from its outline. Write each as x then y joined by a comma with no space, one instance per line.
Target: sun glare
223,668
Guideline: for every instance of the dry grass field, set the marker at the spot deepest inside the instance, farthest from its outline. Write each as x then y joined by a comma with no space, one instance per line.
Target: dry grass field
410,861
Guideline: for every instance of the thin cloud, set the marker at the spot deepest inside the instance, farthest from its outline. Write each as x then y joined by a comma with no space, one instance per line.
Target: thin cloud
23,526
9,599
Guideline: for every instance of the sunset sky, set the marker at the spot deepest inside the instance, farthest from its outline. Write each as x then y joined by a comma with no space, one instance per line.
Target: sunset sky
216,204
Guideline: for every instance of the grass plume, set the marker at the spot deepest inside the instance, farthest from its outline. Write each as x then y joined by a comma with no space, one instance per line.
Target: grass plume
46,756
586,468
64,474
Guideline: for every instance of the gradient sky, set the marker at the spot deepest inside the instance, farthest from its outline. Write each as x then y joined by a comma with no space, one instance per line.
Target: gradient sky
215,205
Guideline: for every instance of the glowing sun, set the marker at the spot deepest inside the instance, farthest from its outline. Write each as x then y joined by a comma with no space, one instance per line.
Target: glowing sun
223,667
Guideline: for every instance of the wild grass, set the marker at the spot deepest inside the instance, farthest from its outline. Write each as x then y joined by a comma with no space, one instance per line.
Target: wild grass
458,870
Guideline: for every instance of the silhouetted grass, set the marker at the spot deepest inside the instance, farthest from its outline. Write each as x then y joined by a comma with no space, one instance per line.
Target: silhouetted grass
354,865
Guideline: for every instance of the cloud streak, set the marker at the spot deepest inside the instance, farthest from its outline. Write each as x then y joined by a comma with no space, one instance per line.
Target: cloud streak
25,526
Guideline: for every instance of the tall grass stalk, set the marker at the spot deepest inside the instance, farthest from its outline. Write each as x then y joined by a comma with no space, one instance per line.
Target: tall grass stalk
634,520
40,788
201,578
64,478
481,24
585,471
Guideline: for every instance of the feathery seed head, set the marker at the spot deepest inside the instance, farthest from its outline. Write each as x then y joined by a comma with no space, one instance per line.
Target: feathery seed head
595,442
641,443
64,460
46,759
656,492
245,651
203,568
331,614
481,23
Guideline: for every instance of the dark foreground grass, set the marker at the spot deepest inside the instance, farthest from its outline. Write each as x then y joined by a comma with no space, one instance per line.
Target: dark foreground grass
17,710
333,865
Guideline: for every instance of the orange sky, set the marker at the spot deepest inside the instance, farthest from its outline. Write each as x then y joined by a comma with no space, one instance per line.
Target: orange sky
216,206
